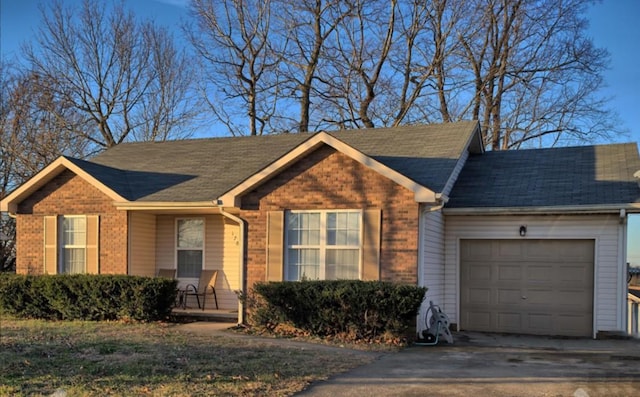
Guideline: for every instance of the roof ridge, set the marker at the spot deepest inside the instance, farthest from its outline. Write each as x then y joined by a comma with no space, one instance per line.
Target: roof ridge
608,145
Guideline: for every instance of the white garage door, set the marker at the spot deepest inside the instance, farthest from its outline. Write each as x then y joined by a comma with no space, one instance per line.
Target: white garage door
540,287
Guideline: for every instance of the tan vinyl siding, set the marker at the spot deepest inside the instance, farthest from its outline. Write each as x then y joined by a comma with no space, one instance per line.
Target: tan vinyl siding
142,244
165,242
604,229
221,252
229,278
432,260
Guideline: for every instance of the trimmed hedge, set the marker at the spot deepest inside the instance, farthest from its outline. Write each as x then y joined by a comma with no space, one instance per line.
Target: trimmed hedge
87,297
359,310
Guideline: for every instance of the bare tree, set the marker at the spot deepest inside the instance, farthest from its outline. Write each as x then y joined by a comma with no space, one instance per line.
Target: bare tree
233,39
172,107
307,25
536,74
124,77
31,136
363,45
7,225
524,68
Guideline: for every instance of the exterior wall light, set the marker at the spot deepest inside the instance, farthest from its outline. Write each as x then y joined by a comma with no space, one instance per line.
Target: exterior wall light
523,231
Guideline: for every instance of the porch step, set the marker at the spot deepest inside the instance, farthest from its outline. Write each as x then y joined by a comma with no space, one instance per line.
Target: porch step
195,314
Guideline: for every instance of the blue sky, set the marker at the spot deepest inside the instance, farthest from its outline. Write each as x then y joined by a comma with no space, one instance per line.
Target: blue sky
613,25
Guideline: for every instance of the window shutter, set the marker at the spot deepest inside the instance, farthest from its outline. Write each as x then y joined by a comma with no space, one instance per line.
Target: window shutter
50,245
93,225
275,245
371,245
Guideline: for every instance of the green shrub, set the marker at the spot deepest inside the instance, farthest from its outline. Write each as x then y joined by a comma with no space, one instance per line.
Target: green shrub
87,297
361,310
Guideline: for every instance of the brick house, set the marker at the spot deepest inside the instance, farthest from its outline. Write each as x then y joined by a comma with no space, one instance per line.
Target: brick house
526,241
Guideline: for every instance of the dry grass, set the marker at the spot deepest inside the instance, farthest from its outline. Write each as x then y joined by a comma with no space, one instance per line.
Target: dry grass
99,358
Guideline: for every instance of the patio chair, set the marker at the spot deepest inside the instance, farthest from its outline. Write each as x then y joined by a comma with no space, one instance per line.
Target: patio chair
166,273
206,286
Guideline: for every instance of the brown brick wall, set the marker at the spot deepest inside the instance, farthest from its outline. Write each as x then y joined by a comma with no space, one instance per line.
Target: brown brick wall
68,194
327,179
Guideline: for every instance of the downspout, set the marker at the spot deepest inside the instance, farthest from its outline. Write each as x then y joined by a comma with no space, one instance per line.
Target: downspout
622,285
240,223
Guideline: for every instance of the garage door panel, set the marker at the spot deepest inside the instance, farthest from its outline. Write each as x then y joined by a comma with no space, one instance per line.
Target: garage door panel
528,286
508,250
540,273
578,252
481,319
575,273
509,272
509,321
573,299
508,296
475,250
539,323
479,296
571,325
538,296
479,272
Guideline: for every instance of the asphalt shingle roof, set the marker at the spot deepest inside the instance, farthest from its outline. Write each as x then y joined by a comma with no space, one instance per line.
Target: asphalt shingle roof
204,169
567,176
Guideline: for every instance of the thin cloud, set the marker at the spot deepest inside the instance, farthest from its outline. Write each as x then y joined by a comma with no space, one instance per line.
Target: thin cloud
176,3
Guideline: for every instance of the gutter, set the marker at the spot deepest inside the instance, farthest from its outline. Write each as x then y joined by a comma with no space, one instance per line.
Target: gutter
240,222
564,209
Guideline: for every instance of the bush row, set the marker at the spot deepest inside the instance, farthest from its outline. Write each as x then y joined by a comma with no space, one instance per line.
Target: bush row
87,297
359,310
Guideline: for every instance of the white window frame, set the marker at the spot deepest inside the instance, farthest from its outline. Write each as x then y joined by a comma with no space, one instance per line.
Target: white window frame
177,249
323,247
62,247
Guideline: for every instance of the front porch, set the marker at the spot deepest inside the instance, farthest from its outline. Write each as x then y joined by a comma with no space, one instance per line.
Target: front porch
157,240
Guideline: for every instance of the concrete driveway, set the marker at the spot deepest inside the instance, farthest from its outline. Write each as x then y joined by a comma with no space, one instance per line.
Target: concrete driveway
497,365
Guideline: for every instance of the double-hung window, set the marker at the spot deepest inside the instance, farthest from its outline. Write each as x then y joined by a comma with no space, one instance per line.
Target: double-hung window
323,245
190,247
71,244
74,241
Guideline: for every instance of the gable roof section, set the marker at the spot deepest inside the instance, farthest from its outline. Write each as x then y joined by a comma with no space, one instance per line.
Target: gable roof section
588,177
108,180
207,169
231,198
195,170
425,154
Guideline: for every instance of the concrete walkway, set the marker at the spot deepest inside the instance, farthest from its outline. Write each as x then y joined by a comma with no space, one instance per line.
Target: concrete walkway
481,365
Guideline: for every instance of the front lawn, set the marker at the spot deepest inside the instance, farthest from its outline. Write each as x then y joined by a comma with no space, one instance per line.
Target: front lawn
114,358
